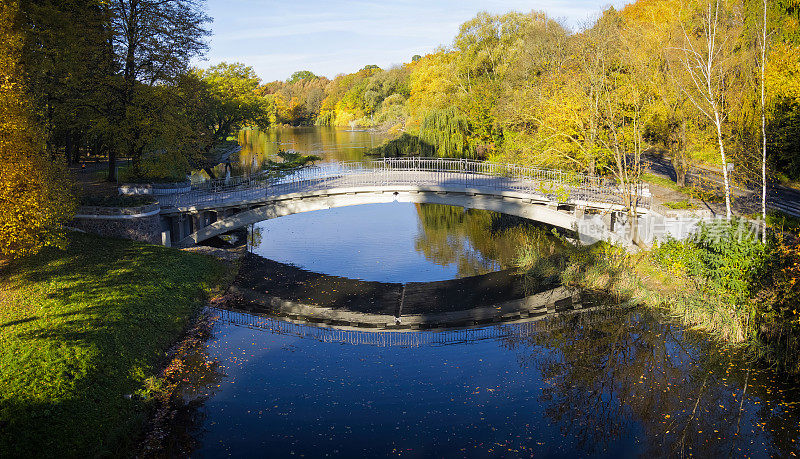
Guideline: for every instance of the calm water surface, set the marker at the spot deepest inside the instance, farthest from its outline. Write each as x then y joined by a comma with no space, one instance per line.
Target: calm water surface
331,144
396,242
605,384
609,383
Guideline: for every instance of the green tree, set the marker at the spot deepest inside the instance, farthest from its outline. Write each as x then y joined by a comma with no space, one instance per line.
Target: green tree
301,75
220,101
68,70
152,43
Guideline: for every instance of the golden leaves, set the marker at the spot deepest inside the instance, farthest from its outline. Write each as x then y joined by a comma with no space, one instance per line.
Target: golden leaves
34,192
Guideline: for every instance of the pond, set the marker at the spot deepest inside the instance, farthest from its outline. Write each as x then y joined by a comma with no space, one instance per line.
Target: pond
616,381
396,242
329,143
606,384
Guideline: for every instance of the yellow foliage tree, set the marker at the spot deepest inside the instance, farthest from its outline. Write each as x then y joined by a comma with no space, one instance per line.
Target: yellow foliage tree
35,199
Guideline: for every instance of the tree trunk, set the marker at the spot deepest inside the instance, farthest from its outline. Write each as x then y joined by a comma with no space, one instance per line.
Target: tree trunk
76,150
112,165
679,157
68,148
763,132
718,124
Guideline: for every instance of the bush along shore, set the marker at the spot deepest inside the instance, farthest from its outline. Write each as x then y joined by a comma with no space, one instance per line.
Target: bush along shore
85,337
724,281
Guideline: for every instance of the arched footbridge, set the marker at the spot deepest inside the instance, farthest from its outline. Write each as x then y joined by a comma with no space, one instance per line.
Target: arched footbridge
557,198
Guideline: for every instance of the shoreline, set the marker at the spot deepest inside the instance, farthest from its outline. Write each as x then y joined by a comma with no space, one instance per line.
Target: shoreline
166,431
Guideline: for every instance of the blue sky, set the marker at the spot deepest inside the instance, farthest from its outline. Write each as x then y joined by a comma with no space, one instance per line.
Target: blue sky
331,37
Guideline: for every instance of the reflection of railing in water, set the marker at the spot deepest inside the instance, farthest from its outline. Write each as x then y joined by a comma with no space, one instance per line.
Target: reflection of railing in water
384,338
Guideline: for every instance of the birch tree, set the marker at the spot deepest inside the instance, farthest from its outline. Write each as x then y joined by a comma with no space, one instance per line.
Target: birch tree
763,129
705,56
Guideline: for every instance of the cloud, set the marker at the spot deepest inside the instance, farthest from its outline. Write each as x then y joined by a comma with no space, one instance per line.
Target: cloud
277,38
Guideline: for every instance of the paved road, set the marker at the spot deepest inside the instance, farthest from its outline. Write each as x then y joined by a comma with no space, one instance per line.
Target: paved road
784,199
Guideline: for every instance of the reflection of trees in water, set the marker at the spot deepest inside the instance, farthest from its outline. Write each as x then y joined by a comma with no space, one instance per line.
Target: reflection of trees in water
612,372
327,142
255,235
476,241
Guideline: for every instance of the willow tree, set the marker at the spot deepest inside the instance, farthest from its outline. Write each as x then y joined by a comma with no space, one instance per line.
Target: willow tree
34,197
448,132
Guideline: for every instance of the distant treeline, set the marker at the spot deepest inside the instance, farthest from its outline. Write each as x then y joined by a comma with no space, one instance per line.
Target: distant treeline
523,87
112,79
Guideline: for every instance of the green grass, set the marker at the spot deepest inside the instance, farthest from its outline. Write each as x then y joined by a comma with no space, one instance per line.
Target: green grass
81,331
691,191
684,204
665,182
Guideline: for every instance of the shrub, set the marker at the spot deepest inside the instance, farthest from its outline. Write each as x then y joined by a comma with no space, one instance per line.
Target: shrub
778,301
724,255
159,167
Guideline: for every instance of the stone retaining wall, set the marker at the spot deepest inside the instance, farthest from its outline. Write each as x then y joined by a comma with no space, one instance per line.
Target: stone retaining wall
142,223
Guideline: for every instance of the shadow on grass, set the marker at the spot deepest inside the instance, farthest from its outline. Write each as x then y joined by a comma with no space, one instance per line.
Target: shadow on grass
73,375
17,322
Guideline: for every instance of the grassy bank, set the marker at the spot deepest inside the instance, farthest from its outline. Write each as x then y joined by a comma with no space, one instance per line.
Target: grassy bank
82,333
740,291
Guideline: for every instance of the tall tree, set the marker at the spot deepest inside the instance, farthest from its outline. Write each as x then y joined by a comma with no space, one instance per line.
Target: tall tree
67,65
153,42
34,193
705,55
220,101
625,94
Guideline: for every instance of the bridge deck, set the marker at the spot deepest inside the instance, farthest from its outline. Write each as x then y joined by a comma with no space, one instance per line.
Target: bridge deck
316,180
223,205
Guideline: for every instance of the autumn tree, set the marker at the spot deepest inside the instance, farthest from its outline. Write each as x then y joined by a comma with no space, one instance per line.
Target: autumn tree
782,76
34,194
219,102
537,127
625,91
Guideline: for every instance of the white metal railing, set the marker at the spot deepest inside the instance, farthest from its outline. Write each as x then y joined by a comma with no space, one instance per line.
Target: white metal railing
556,185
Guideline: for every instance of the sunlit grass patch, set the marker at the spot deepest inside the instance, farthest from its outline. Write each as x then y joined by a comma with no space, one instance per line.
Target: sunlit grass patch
83,328
683,204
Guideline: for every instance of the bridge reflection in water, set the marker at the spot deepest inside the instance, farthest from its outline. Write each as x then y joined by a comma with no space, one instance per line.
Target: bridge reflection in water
518,329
